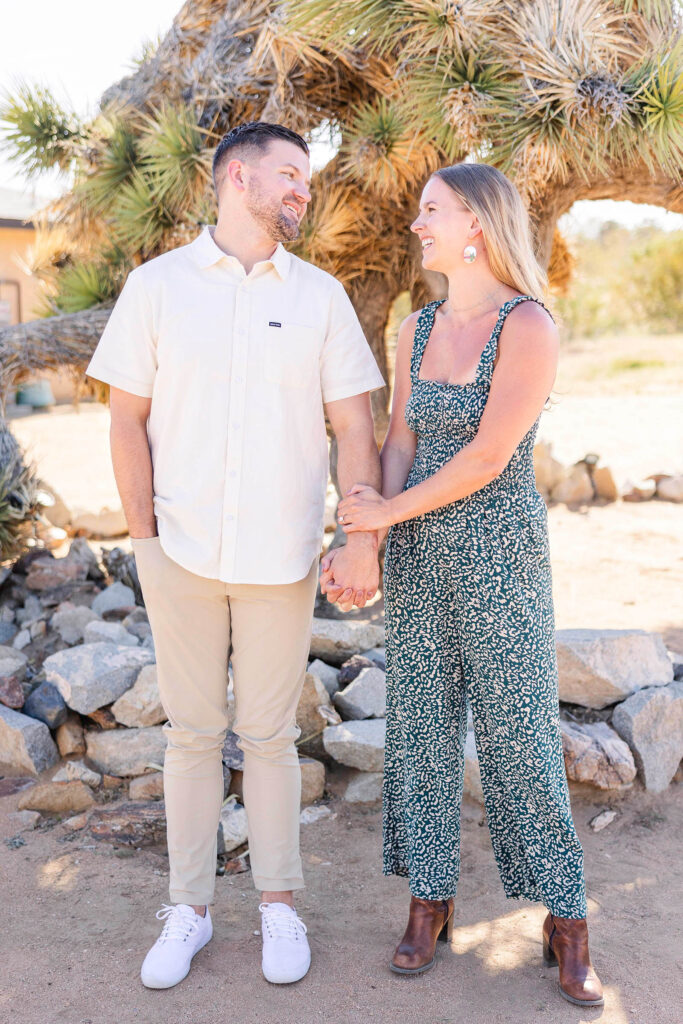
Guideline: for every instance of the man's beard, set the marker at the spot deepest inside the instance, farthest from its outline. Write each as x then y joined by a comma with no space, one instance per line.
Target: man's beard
267,211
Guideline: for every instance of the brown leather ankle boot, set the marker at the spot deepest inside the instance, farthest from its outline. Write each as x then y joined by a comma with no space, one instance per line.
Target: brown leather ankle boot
429,921
565,943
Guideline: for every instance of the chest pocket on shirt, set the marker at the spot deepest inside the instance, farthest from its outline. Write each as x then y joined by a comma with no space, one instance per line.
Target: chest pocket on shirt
291,354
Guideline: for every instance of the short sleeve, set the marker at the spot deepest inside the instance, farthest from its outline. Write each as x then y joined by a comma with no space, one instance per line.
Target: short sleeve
347,365
125,356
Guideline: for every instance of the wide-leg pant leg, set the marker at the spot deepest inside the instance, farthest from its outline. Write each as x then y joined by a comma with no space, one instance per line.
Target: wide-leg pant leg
271,634
190,623
509,662
426,718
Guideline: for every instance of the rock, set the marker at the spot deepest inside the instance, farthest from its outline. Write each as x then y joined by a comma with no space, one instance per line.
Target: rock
598,667
47,705
77,771
147,787
118,595
31,612
312,780
37,629
22,639
141,705
594,753
232,755
651,722
47,572
604,484
12,663
364,788
76,822
8,787
25,743
549,472
110,632
23,821
676,663
70,737
112,782
377,655
336,640
314,711
357,744
104,718
105,523
70,623
641,491
8,631
602,820
472,775
130,824
365,697
670,488
11,692
53,506
327,675
353,668
90,676
137,623
80,553
56,798
311,814
232,827
576,487
126,752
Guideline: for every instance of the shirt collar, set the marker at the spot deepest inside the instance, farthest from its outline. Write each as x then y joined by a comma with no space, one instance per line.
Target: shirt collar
206,253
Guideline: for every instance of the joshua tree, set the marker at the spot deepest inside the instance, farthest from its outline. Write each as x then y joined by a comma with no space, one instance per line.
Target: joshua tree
574,99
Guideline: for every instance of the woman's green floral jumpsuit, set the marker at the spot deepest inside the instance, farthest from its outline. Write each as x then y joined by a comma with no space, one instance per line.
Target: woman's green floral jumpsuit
469,617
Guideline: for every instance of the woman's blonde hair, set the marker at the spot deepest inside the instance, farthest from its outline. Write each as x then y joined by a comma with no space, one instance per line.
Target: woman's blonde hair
504,223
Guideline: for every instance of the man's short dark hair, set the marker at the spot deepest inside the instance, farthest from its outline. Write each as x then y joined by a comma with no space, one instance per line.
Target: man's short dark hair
255,136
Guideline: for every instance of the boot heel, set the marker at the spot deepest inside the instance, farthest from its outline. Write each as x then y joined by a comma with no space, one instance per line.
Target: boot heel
549,958
446,933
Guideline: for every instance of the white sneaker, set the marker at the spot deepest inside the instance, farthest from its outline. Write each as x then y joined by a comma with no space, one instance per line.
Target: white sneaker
184,934
286,953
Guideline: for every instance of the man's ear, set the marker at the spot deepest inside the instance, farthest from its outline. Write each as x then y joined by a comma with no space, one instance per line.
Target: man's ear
235,173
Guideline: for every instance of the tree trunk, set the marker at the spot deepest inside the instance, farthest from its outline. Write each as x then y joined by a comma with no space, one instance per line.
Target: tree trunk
49,344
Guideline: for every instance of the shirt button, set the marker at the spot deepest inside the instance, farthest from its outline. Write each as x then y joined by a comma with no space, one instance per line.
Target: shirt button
239,379
233,472
229,519
236,426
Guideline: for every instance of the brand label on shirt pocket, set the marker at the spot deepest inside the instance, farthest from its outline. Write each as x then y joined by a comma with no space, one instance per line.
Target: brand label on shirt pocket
291,353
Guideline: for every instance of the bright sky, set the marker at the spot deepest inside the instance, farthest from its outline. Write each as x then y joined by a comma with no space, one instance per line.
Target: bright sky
77,50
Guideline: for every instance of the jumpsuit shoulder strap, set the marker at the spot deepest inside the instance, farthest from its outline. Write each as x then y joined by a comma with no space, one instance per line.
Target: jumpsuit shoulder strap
423,328
488,356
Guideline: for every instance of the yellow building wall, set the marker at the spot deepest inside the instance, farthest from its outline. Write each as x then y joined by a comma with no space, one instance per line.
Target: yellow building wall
15,242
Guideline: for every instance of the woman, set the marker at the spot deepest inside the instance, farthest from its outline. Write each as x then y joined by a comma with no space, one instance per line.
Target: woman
467,580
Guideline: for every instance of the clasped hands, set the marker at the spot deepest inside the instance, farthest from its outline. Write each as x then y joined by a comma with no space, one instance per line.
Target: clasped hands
350,574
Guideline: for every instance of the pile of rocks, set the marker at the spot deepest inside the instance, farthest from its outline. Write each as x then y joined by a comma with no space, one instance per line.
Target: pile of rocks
587,481
79,694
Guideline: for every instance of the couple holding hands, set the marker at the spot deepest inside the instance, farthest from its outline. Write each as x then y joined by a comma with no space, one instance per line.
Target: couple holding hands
224,356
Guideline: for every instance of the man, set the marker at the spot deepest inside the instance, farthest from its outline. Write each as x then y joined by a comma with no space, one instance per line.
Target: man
222,357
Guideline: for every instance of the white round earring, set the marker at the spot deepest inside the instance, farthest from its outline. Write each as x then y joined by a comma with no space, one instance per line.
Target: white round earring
469,254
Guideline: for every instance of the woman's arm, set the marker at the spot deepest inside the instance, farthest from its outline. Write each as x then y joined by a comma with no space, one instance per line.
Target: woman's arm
522,380
398,450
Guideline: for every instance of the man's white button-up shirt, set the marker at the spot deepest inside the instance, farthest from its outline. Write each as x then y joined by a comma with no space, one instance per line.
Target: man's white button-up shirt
238,367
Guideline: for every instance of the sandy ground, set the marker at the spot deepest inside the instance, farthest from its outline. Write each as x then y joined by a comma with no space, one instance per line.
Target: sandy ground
79,916
78,919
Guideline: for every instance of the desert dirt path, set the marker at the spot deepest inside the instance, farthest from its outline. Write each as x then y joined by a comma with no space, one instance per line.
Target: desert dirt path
78,919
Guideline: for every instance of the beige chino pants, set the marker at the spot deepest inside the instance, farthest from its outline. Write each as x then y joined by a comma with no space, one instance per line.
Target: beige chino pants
197,625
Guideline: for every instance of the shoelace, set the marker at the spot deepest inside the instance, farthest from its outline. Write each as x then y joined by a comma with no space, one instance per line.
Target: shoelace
279,924
181,922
